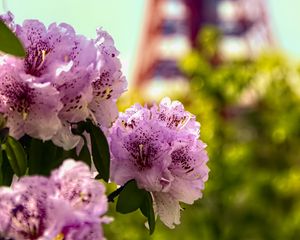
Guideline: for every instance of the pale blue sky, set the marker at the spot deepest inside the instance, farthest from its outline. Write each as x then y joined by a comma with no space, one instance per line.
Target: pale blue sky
285,15
122,18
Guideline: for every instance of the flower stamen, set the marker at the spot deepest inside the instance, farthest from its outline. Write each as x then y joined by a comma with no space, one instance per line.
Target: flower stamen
184,122
44,53
59,237
141,146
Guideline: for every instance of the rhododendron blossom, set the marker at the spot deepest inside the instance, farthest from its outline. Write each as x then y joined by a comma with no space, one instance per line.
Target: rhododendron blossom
30,107
69,204
85,75
159,148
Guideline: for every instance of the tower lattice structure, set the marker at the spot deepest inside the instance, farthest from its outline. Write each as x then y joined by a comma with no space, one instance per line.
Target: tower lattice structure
171,26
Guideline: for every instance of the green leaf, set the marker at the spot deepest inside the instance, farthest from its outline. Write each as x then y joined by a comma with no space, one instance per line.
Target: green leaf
6,172
147,210
2,121
111,197
98,177
3,134
9,43
1,164
85,155
45,156
131,198
100,150
39,157
16,156
62,155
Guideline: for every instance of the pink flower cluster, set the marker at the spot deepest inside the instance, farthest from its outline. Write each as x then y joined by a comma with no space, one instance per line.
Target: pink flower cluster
159,148
64,78
68,205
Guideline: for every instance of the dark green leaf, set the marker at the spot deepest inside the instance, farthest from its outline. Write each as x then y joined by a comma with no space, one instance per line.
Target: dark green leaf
1,163
100,150
147,210
9,43
39,157
131,198
3,134
85,155
45,156
98,177
6,172
62,154
111,197
16,156
2,121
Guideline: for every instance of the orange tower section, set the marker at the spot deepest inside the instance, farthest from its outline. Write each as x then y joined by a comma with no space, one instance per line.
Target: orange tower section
245,26
171,26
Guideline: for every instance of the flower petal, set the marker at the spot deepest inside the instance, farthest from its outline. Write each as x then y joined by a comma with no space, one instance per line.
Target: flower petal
30,108
77,186
167,208
65,138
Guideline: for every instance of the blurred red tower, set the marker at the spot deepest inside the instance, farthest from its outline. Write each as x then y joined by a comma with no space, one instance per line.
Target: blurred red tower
171,27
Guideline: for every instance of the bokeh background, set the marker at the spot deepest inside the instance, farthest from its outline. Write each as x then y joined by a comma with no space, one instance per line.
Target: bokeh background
235,64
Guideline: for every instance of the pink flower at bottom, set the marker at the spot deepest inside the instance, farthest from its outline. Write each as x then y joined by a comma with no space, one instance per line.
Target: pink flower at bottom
69,204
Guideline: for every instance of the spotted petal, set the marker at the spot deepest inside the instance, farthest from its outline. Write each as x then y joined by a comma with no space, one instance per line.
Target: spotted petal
109,84
76,185
75,92
168,208
31,108
31,214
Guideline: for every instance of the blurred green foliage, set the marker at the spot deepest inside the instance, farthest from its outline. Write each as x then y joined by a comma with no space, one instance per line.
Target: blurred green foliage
250,115
249,111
